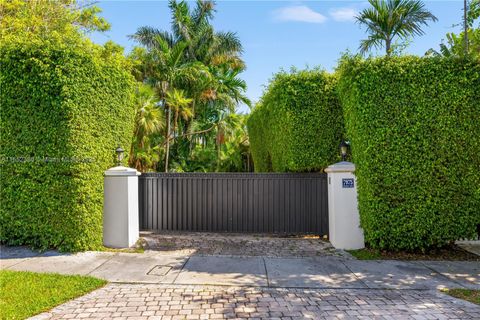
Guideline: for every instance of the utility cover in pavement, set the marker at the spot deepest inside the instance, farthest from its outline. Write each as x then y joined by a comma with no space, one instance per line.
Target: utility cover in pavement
159,271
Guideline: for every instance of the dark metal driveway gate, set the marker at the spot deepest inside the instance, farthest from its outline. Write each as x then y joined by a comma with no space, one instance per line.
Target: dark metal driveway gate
234,202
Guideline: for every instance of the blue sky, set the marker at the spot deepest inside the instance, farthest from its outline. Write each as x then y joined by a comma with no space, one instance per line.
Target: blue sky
278,34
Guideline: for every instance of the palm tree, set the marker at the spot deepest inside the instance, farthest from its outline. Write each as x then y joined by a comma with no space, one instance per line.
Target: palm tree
198,61
180,105
164,68
149,121
195,30
387,19
233,145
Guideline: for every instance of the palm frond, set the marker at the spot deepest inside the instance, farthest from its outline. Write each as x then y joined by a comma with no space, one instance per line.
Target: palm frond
147,36
204,10
181,20
371,42
228,42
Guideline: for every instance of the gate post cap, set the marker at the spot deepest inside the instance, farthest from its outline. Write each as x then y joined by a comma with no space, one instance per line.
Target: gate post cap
121,171
343,166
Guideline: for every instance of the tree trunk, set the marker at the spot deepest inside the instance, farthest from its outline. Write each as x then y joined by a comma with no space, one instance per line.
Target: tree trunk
175,121
388,44
167,138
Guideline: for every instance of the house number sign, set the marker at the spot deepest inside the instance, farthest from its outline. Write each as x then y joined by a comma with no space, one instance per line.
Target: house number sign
348,183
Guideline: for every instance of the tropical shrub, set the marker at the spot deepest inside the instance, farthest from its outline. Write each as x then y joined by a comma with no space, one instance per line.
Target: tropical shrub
298,124
64,109
414,127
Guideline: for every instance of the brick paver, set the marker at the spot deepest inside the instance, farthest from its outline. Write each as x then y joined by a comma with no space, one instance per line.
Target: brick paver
231,244
136,301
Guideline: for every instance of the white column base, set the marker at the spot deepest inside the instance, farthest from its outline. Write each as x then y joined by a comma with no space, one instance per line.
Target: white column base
120,208
344,219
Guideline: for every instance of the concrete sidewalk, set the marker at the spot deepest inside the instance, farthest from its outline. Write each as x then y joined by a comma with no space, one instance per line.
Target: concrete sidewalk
315,272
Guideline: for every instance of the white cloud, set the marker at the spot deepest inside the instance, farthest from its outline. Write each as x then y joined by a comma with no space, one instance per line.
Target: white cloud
299,13
343,14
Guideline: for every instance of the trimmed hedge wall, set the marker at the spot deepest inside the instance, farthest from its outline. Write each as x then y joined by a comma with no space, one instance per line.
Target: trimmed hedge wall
64,109
414,127
298,124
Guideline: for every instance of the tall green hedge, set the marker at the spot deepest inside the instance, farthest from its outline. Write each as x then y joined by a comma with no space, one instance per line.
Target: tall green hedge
298,125
63,111
414,127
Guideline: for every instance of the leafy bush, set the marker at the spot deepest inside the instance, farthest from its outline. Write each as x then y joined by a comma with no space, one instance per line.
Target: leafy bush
298,124
64,110
414,127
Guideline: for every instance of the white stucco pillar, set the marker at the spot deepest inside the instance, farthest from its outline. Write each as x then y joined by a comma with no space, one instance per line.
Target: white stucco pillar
343,216
120,207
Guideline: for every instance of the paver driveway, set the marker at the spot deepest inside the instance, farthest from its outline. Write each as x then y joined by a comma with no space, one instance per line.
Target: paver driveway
205,277
237,244
135,301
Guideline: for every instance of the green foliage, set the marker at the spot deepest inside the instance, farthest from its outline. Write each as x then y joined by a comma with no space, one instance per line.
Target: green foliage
414,129
233,146
298,124
25,294
63,20
64,110
229,152
470,295
260,128
366,254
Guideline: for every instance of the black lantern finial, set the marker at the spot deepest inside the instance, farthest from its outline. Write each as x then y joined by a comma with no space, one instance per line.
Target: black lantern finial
344,150
119,151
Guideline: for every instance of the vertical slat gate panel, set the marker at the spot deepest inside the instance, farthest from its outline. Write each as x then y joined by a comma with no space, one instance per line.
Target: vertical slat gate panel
141,211
263,204
271,202
286,208
218,204
163,194
295,212
204,205
191,199
210,211
154,202
291,206
302,206
182,202
234,202
193,206
160,204
175,197
253,203
325,205
311,210
232,223
169,204
149,203
279,206
315,202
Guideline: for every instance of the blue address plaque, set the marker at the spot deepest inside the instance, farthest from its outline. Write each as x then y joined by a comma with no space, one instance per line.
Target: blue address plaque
348,183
